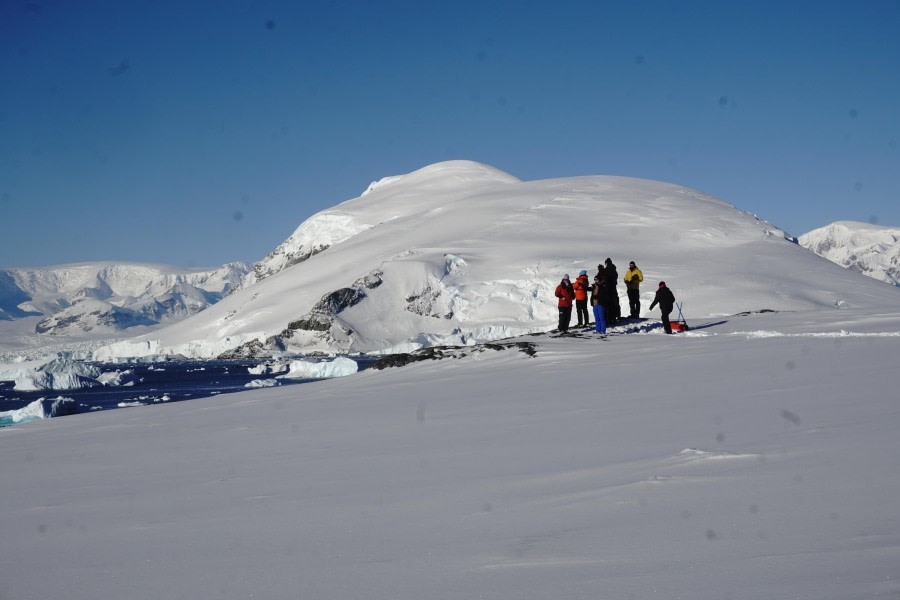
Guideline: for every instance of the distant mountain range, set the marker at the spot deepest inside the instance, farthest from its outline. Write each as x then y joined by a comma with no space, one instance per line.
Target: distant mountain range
107,297
872,250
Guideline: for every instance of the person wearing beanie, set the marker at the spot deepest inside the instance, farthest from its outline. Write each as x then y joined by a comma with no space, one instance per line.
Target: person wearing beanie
581,287
566,294
666,300
633,278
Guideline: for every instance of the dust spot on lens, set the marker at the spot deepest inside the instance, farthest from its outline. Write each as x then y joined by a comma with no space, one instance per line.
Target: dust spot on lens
853,113
720,438
873,219
120,69
711,535
639,59
723,101
270,24
791,417
754,509
238,216
789,365
858,186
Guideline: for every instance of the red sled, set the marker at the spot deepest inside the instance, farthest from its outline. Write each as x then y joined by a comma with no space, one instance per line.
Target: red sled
680,324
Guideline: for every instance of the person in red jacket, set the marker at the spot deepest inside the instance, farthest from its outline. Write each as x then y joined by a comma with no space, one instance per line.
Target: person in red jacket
582,286
566,294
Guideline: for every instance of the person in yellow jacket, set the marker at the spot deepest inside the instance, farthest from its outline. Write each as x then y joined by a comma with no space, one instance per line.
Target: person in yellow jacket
633,278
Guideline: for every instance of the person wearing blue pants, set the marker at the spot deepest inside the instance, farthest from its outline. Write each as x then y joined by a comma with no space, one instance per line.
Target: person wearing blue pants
598,295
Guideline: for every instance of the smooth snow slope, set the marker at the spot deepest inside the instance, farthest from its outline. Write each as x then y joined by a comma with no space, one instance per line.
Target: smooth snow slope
460,251
752,458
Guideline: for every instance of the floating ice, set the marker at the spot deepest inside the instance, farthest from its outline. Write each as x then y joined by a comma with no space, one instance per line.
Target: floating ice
268,369
53,381
118,378
339,367
42,408
262,383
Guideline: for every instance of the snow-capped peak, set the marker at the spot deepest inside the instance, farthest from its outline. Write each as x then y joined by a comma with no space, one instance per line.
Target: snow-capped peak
872,250
443,174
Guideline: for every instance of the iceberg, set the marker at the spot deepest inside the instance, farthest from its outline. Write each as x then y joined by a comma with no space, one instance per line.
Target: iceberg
262,383
268,369
303,369
42,380
71,367
42,408
118,378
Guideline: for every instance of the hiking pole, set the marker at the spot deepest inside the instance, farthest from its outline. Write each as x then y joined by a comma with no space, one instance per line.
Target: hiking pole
681,316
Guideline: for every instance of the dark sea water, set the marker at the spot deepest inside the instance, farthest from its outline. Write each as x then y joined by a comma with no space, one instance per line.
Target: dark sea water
170,381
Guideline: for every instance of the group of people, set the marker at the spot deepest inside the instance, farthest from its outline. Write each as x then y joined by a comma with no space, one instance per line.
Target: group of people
604,297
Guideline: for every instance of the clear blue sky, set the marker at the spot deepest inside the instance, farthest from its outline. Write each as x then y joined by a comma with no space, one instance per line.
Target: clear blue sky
197,133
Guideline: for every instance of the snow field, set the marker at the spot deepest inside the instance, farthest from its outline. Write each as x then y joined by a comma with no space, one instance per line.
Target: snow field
642,466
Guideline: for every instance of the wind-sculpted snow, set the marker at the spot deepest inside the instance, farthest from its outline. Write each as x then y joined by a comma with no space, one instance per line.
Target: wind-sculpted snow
458,252
872,250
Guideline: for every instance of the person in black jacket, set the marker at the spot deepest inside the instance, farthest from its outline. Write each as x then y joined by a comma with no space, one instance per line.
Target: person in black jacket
614,310
666,300
598,302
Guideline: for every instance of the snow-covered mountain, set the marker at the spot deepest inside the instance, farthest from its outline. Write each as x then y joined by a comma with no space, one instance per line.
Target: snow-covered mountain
107,297
872,250
459,252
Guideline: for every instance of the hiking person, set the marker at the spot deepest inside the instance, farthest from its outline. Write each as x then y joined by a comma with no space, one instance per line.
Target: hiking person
566,294
614,311
581,287
633,278
597,292
666,300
